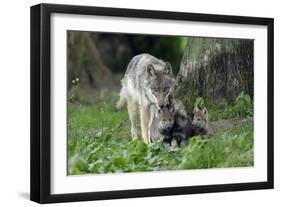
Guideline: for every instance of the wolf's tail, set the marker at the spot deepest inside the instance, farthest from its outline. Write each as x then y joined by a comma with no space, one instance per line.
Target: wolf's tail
120,103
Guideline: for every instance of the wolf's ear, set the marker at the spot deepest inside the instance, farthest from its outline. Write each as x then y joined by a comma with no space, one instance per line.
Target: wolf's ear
168,69
205,111
196,109
150,71
170,97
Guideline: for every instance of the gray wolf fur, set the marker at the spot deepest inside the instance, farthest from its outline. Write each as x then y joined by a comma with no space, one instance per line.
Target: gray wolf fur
175,125
147,83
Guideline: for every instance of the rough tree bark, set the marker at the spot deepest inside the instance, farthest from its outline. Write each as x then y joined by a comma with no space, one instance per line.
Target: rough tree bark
216,69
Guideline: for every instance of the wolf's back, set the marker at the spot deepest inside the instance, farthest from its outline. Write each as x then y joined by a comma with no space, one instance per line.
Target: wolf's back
139,63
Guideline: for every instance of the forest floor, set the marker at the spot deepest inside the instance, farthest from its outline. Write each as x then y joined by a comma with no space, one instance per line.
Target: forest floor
99,141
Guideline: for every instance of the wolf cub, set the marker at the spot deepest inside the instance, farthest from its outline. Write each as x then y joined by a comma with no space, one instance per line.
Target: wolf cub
200,123
176,125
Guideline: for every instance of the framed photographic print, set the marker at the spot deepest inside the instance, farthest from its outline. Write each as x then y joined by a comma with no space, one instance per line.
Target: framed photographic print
133,103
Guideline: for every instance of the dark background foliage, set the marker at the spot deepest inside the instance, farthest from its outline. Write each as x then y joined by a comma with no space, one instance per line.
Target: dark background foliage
92,56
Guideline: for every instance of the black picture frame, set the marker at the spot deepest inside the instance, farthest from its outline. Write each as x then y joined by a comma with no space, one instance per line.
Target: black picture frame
41,99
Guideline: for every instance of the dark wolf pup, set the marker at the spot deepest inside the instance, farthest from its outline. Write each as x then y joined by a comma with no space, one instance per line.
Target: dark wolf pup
147,83
175,125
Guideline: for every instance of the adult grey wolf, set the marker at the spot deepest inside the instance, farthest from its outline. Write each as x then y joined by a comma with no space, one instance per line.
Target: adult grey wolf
147,83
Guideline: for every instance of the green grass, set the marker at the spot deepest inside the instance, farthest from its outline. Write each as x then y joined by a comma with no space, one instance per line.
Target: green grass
99,142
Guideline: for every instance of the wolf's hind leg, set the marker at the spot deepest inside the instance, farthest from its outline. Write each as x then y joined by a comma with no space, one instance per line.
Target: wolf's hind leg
144,116
132,110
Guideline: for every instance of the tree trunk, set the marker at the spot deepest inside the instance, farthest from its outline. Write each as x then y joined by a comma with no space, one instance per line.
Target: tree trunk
90,44
216,69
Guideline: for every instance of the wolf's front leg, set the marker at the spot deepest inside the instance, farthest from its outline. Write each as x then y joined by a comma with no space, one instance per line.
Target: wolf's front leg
132,110
144,115
152,115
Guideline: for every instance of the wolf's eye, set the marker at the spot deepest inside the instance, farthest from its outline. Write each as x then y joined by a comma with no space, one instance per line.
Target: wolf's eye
154,90
166,89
